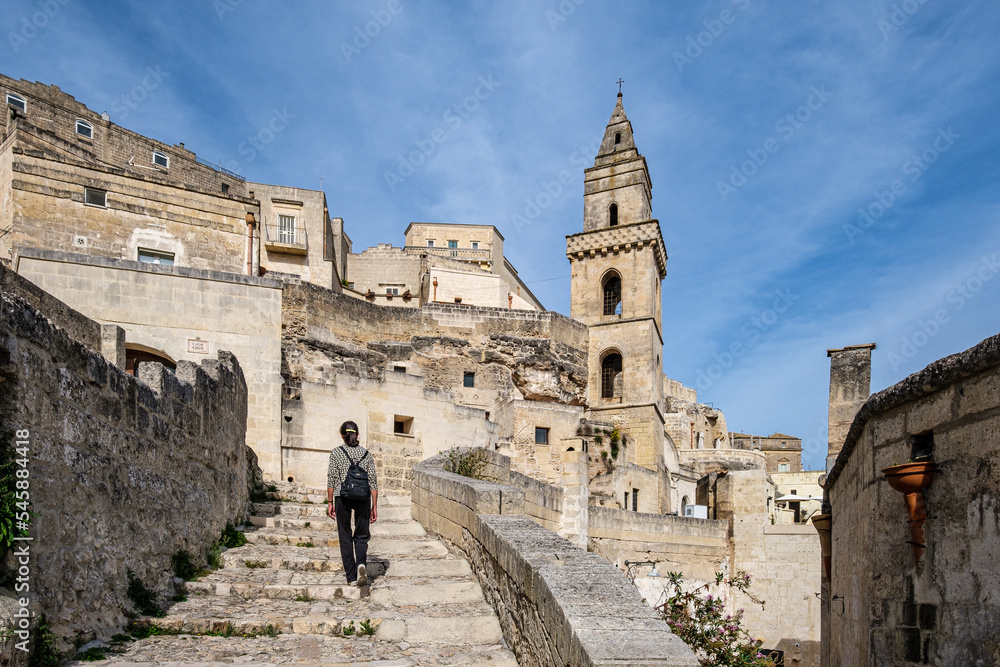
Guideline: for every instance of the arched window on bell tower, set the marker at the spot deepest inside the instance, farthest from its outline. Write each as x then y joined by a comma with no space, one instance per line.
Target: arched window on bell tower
611,375
612,292
618,138
613,215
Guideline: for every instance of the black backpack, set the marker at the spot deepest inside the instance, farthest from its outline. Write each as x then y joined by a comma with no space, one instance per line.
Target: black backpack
356,484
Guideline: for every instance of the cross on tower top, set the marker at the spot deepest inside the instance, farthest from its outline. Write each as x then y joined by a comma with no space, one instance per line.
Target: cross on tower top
620,81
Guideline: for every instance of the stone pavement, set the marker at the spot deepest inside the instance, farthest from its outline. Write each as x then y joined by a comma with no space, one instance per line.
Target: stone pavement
423,601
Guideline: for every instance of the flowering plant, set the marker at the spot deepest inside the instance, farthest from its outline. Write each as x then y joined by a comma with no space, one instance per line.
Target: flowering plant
700,619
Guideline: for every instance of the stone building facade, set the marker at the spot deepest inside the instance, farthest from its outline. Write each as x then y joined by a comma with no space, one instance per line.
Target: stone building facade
895,596
783,452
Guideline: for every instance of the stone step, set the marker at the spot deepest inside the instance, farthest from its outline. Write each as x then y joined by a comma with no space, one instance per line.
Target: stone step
469,622
284,538
380,527
304,650
387,513
246,589
323,559
318,497
483,628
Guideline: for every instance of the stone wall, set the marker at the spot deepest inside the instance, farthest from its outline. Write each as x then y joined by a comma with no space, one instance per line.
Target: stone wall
324,400
944,611
696,547
53,115
558,604
165,308
198,229
783,561
123,472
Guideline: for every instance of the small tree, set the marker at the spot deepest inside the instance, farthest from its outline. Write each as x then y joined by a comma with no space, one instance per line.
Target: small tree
700,619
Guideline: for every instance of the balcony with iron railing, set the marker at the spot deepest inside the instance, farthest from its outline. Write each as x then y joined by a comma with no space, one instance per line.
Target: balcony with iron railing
290,240
219,168
461,254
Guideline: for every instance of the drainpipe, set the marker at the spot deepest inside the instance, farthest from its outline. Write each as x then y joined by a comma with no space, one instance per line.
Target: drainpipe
435,290
251,224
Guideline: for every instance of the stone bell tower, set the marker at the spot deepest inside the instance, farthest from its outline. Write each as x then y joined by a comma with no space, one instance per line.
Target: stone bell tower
618,263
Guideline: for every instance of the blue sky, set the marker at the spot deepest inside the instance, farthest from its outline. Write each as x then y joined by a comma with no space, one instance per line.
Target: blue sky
768,129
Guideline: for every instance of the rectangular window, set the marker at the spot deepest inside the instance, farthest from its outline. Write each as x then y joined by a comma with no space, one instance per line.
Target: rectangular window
475,245
458,299
399,369
452,244
430,243
286,229
225,188
541,436
156,257
782,467
161,159
95,197
17,101
469,379
635,500
392,291
402,425
85,129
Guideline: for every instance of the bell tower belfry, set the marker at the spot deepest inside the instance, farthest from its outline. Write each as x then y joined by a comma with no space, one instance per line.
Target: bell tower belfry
618,264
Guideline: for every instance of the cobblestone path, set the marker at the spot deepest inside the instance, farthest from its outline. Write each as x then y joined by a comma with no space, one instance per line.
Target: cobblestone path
425,604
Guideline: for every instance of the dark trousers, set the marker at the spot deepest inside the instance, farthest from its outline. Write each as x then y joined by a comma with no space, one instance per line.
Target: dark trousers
353,544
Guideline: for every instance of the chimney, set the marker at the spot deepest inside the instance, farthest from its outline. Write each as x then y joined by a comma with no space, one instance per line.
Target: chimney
850,386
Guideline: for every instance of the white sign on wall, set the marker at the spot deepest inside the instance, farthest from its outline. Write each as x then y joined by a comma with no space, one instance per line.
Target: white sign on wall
197,346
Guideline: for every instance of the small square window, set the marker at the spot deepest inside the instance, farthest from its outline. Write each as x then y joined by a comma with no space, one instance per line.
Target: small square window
402,425
452,244
95,197
17,101
469,379
161,159
430,243
156,257
225,188
541,436
458,299
85,129
475,245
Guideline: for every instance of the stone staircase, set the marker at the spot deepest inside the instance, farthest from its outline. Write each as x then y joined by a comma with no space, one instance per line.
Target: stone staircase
282,599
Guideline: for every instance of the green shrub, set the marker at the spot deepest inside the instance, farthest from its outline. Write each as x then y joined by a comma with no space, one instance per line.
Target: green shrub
699,618
232,538
92,654
43,646
183,566
146,601
348,629
214,555
467,464
366,627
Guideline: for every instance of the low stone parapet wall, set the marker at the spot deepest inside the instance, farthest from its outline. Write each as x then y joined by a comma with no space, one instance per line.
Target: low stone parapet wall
557,603
696,547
